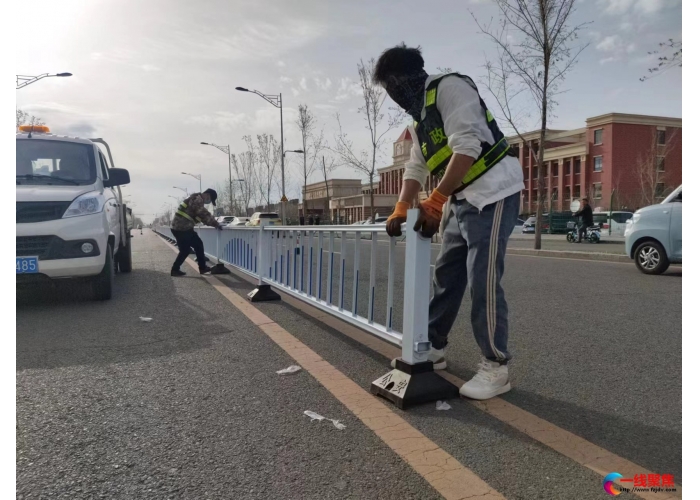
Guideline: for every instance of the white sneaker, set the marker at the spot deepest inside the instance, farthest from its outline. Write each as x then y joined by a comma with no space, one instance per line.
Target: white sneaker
490,381
437,356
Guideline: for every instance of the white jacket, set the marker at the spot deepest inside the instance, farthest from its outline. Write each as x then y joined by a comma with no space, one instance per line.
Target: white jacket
466,128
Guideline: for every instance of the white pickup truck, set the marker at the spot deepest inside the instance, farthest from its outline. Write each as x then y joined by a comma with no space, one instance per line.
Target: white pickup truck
71,222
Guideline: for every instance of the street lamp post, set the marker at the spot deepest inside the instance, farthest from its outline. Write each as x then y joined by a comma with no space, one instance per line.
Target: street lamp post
182,189
196,176
28,80
227,150
276,101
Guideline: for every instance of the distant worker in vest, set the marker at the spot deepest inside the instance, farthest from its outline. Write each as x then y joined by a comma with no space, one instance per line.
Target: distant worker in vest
475,206
190,212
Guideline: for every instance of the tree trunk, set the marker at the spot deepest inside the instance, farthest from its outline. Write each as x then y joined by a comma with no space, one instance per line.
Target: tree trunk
371,183
540,156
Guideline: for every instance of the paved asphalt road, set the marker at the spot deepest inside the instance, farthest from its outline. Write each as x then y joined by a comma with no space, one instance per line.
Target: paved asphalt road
189,405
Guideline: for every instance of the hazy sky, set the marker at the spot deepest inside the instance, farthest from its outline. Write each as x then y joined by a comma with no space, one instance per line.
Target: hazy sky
156,78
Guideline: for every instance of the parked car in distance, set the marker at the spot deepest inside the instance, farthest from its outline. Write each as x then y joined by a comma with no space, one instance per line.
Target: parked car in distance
654,235
272,217
225,219
529,224
239,221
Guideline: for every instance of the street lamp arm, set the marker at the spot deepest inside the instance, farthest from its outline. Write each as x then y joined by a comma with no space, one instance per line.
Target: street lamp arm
28,79
223,149
273,99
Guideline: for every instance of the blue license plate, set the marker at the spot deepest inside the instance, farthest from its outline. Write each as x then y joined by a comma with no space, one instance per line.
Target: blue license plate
27,265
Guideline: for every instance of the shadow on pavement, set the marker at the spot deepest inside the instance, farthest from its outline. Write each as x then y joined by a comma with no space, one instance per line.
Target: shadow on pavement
62,326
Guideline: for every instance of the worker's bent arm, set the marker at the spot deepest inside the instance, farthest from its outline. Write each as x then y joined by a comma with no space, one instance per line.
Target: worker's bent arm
456,171
409,191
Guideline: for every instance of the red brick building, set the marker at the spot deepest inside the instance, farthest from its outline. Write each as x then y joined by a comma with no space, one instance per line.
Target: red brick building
637,156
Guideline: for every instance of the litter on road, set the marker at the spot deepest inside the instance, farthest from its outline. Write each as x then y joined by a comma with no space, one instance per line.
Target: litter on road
315,416
289,370
442,405
145,320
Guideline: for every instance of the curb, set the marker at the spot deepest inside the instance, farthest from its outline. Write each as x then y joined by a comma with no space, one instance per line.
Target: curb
566,254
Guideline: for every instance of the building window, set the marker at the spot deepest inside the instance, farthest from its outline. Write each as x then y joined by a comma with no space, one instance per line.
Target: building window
555,194
567,167
567,193
597,190
577,191
534,173
659,190
660,164
577,166
661,137
398,149
525,198
597,163
555,170
598,136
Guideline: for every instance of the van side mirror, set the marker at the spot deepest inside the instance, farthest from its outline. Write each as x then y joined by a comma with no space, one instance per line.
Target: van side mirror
117,177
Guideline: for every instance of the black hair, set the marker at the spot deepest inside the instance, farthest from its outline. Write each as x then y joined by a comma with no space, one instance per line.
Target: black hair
396,61
584,199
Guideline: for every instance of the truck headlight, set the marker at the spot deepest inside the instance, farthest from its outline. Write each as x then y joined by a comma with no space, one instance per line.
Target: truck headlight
86,204
635,218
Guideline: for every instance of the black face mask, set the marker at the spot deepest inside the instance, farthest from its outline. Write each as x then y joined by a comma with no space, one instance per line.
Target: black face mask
407,91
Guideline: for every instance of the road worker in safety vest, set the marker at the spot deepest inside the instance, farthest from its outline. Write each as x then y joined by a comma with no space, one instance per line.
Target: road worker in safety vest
475,205
190,212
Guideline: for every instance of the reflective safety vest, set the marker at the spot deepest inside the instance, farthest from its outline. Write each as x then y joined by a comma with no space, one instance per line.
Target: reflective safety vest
181,212
433,141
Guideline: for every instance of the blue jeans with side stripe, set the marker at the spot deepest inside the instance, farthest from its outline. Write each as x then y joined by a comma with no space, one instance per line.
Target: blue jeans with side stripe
473,253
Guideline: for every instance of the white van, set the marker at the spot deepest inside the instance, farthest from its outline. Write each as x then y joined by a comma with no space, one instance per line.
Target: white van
615,224
70,221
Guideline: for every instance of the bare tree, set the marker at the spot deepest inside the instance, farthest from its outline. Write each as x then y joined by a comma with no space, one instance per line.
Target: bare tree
24,118
327,169
269,158
365,161
244,167
306,122
532,39
671,57
650,169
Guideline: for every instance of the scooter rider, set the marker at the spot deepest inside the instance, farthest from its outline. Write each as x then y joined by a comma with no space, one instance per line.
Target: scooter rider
586,214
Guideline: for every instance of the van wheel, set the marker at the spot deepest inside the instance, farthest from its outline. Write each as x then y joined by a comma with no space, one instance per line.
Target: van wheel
570,237
594,238
650,258
103,282
124,256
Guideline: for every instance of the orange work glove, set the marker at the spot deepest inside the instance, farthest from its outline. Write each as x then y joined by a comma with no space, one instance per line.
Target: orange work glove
393,223
428,222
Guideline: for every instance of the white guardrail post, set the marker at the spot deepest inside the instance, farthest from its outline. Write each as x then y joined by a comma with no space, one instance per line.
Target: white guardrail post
413,381
263,292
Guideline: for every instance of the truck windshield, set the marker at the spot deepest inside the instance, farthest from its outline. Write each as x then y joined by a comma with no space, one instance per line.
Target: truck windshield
43,162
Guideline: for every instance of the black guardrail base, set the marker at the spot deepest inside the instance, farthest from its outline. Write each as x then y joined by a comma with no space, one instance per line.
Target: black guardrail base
263,293
409,385
220,269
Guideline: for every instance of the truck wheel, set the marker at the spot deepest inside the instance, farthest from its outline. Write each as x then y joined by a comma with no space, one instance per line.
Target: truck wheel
103,282
124,256
569,237
650,258
594,238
